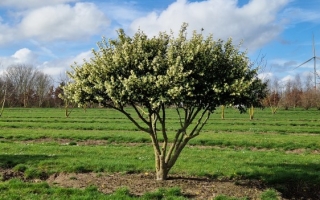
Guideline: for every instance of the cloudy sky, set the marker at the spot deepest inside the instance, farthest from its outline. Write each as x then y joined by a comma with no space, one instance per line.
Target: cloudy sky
53,34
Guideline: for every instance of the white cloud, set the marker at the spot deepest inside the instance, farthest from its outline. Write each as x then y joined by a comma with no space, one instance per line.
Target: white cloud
55,68
31,3
255,23
24,56
266,76
6,33
58,67
21,56
56,22
81,57
297,15
123,14
286,79
63,22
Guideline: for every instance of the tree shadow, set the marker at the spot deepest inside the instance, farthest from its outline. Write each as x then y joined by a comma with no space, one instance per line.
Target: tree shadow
15,166
9,161
294,181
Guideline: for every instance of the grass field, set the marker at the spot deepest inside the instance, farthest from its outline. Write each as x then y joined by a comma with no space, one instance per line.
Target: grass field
282,150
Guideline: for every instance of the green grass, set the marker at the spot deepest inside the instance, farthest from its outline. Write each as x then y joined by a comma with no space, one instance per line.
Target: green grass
271,166
223,197
277,149
270,194
300,131
17,189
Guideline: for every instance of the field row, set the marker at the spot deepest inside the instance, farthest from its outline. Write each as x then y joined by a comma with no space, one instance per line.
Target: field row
280,150
284,122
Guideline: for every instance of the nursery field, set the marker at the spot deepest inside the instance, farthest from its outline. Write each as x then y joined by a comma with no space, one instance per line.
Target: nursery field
99,154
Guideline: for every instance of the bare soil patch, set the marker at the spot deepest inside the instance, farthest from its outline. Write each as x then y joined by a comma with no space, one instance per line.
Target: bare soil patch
191,187
138,184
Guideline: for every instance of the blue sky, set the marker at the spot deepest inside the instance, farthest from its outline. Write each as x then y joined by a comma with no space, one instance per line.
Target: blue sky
51,35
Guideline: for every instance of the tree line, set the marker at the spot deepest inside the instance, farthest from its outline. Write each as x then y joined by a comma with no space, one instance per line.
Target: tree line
292,94
25,86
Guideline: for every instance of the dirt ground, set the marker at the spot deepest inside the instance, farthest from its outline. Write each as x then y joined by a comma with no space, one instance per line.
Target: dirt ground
191,187
138,184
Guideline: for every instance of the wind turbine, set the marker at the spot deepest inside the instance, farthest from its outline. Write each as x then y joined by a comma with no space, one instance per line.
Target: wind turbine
314,58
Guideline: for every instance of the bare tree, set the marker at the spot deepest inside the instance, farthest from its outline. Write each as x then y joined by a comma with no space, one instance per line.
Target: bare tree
296,92
287,99
274,97
27,85
308,94
22,78
261,64
3,94
43,83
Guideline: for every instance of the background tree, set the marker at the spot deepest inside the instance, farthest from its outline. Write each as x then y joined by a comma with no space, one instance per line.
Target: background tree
296,92
3,95
286,102
292,93
274,96
26,86
43,85
22,78
150,74
254,95
68,105
308,96
258,90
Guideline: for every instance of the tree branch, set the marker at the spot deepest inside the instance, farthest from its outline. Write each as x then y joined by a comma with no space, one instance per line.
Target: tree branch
139,114
180,119
131,119
163,127
202,125
194,115
189,120
195,129
153,134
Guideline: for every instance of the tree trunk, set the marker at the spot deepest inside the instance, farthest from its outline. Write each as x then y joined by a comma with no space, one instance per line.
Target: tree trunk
222,111
160,162
161,169
163,165
251,112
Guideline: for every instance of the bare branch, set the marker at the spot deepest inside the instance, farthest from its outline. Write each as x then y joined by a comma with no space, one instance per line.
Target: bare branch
138,109
195,129
131,118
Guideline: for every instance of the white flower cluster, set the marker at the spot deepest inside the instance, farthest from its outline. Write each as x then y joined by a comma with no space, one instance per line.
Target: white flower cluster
163,70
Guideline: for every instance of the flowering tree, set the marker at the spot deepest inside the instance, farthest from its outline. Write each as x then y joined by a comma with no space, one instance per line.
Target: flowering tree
150,74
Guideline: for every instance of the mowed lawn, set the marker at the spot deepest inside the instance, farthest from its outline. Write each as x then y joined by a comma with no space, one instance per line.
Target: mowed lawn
278,149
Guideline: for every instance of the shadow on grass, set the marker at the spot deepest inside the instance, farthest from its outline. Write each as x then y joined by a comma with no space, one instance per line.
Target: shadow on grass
18,166
9,161
294,181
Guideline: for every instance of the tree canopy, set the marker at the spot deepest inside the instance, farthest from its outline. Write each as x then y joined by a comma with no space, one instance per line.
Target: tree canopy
194,75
